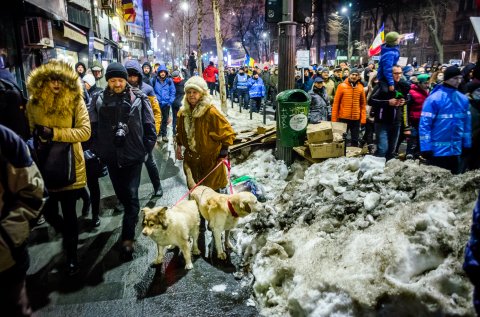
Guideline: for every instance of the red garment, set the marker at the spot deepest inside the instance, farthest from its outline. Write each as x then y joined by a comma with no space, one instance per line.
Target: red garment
176,80
416,104
209,74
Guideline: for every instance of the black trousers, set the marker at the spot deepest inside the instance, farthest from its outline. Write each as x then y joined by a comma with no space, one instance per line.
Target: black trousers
68,224
211,87
152,170
451,163
94,188
165,114
354,127
125,181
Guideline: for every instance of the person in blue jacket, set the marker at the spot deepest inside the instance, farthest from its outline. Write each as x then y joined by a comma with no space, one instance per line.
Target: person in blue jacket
165,90
390,54
471,265
445,124
256,91
240,86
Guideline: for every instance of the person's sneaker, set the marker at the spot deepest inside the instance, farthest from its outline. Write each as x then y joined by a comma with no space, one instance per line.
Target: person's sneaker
158,192
409,157
164,139
96,221
40,220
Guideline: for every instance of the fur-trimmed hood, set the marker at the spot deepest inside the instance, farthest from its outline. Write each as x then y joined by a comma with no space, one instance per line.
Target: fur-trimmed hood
200,109
40,94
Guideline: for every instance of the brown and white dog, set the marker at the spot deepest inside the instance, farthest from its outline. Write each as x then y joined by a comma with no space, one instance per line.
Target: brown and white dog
222,212
173,226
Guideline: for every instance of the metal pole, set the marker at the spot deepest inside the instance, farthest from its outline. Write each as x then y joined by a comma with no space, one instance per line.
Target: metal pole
286,69
349,53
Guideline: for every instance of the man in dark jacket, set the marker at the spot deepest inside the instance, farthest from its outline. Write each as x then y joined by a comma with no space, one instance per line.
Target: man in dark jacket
147,72
12,103
21,200
126,124
179,94
471,265
387,108
192,63
135,80
81,69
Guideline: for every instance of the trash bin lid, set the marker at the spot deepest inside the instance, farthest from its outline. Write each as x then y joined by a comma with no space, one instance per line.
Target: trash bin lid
293,95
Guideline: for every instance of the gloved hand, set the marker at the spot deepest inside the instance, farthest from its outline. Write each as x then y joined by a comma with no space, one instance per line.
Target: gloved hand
427,154
223,153
43,132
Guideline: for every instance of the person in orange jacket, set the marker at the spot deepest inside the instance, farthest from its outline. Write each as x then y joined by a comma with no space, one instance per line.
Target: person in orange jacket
349,105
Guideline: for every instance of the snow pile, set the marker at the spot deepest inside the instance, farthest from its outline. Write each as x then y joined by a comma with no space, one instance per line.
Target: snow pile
352,237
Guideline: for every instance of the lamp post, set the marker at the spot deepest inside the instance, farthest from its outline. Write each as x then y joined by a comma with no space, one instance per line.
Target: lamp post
349,40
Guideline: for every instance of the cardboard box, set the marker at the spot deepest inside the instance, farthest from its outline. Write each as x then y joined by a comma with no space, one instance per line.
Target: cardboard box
327,150
326,131
320,132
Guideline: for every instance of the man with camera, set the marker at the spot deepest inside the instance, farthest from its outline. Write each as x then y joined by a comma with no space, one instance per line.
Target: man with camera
127,129
387,108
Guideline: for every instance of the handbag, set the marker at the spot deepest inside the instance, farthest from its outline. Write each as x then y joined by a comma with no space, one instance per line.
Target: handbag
57,164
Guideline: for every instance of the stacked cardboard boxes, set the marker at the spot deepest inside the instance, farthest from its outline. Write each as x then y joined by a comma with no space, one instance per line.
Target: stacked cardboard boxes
325,139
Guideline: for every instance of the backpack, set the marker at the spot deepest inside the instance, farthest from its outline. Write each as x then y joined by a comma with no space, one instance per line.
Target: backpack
13,115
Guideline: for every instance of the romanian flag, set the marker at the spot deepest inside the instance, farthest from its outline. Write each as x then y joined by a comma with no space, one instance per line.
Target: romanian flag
376,46
249,61
129,13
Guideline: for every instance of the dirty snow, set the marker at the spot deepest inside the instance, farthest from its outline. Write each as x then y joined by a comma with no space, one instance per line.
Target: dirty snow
353,236
219,288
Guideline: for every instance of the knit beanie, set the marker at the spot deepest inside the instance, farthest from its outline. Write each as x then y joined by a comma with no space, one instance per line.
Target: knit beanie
89,79
197,83
451,72
116,70
354,71
391,37
406,69
176,73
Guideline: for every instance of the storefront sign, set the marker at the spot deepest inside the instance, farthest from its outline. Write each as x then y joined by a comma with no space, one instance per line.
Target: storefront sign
74,35
98,44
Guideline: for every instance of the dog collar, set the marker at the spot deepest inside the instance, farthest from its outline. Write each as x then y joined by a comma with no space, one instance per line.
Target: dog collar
232,210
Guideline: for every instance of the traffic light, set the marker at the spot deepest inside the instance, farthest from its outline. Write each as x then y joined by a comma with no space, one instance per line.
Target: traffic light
302,11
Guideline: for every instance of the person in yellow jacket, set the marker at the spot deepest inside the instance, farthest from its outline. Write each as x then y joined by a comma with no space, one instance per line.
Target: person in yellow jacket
57,112
205,134
349,105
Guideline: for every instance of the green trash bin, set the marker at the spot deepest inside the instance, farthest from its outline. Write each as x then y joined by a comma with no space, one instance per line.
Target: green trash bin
292,118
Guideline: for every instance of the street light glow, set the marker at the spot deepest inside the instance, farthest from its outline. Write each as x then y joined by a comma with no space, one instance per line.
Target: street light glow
264,34
166,15
344,10
184,6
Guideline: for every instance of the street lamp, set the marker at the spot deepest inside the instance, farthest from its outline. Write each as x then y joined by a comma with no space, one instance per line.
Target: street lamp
349,40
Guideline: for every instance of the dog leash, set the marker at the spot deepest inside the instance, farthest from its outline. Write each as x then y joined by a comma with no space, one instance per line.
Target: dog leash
225,162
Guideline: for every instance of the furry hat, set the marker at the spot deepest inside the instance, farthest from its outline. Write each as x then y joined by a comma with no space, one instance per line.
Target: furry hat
391,37
197,83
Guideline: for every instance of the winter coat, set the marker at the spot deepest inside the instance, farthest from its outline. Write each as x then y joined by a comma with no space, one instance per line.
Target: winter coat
471,264
165,90
307,84
349,102
415,104
230,79
133,109
12,108
474,97
192,63
84,67
382,111
203,131
388,58
256,88
241,82
330,87
21,188
320,106
102,82
266,78
274,80
463,88
179,92
69,106
209,74
445,123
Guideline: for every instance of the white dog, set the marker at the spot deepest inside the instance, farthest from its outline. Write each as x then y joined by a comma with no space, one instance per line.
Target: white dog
173,226
222,212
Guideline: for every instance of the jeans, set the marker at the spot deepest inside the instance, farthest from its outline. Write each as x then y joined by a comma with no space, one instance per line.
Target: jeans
211,87
243,97
255,104
153,171
354,127
413,144
387,137
125,181
165,114
68,224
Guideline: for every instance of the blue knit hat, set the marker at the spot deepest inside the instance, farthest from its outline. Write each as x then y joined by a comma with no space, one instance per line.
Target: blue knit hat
406,69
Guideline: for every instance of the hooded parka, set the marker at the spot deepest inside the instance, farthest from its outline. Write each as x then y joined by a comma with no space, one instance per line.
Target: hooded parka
58,112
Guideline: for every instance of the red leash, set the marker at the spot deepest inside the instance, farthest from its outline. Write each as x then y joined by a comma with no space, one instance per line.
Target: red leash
227,164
